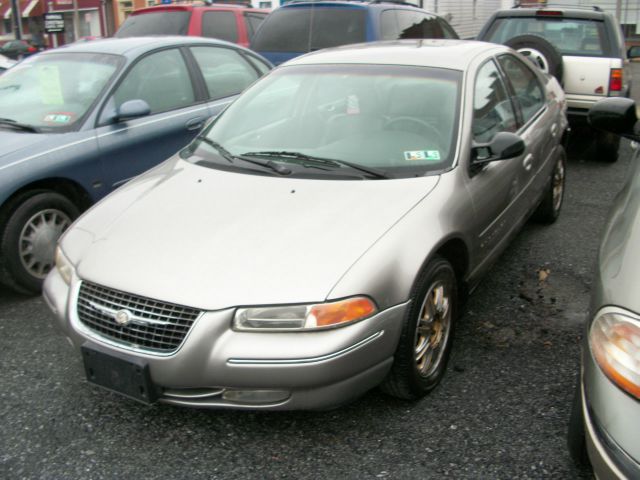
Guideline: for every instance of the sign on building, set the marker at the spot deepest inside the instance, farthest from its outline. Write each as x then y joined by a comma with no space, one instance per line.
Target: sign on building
53,23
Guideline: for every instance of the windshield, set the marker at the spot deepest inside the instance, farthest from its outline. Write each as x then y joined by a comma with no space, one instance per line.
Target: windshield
570,36
396,120
155,23
290,29
53,92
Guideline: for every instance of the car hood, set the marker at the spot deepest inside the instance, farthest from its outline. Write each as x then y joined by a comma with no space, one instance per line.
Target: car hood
211,239
13,141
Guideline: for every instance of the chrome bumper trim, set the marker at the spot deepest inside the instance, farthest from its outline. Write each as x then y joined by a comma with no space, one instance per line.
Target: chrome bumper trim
302,361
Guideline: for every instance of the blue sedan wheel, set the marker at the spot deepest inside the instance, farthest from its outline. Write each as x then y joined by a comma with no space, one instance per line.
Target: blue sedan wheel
30,236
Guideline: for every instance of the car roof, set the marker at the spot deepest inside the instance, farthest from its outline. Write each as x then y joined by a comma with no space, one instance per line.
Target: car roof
585,13
134,46
191,7
450,54
351,3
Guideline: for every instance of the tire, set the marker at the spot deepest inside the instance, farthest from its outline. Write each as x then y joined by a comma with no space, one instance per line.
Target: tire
549,208
576,440
540,52
414,374
607,145
29,236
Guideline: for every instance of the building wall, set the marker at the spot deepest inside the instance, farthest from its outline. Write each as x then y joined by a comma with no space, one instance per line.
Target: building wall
465,16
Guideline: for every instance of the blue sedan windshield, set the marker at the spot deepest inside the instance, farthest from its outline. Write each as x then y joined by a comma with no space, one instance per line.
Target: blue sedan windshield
53,92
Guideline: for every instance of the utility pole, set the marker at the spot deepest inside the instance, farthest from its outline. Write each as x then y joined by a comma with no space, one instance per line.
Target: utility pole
76,21
16,19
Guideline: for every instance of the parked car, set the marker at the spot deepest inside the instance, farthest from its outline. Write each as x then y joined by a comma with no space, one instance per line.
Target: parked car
583,48
606,410
81,120
315,241
300,27
16,49
234,23
6,63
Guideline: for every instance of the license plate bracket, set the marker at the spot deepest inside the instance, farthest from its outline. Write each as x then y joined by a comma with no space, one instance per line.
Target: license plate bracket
124,375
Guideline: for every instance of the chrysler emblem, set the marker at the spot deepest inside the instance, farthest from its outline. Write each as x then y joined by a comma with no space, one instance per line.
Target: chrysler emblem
123,317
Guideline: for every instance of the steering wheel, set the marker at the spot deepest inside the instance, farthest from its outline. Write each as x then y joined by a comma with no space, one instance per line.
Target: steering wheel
414,125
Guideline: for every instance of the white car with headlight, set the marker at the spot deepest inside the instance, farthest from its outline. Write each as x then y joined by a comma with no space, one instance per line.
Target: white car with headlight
606,412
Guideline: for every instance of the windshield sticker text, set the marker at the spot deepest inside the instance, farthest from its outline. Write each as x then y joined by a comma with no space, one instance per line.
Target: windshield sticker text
428,155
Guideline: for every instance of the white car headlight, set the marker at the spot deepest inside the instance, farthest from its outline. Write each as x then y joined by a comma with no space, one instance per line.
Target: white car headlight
305,317
63,265
614,339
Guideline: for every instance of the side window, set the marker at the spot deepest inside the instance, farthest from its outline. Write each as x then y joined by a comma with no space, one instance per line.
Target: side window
260,64
492,109
526,86
160,79
253,21
396,24
220,25
447,30
431,27
225,71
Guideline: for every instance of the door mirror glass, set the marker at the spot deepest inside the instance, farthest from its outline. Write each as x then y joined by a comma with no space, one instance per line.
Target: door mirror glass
634,52
615,115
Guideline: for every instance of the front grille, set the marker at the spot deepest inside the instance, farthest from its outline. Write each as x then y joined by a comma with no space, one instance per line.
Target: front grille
155,326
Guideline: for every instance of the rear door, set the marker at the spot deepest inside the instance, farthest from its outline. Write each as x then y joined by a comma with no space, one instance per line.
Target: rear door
178,111
537,125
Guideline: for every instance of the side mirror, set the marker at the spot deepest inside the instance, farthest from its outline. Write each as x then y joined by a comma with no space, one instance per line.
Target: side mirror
132,109
633,52
616,115
502,146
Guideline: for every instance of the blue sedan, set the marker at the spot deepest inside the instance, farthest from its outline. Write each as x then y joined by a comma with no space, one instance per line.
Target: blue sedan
78,121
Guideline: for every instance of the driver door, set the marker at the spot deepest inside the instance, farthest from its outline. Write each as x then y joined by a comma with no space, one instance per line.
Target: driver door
163,80
494,187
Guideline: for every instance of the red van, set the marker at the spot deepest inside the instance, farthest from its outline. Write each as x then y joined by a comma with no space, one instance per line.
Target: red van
234,23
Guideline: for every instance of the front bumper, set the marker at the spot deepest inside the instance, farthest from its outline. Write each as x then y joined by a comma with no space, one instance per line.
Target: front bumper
610,424
312,370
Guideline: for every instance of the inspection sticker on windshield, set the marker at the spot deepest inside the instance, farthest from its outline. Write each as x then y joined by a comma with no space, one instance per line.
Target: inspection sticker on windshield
61,118
429,155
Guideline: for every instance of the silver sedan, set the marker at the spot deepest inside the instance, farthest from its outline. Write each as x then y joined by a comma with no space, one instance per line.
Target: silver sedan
317,239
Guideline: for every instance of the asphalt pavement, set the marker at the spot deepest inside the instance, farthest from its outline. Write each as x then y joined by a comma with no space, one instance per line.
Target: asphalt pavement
501,412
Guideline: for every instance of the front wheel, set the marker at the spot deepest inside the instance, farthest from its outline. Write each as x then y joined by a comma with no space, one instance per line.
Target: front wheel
427,334
29,239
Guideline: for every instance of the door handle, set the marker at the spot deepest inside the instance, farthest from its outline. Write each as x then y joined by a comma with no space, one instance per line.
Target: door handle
554,129
527,162
195,123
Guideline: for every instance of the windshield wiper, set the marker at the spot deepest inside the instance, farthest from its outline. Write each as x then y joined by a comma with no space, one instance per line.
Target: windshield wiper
226,154
22,126
329,162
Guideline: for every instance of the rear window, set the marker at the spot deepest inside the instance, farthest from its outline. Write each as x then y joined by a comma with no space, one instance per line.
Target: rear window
220,25
292,30
570,36
155,23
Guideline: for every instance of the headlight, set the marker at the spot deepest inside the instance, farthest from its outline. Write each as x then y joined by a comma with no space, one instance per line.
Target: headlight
305,317
65,269
614,339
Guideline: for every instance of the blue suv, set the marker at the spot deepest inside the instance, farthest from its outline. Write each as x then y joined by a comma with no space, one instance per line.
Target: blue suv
301,27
